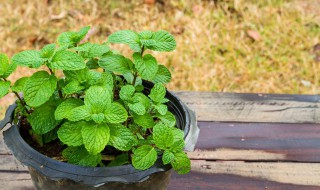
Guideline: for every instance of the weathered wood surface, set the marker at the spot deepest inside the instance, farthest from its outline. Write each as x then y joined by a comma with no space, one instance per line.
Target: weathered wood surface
272,143
271,108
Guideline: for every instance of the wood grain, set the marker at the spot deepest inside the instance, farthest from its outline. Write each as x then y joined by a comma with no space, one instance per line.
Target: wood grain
258,141
272,108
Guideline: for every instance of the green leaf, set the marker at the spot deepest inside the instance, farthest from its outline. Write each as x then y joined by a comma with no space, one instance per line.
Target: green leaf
50,136
181,163
98,118
42,119
67,60
168,119
47,51
10,69
70,133
93,77
77,75
97,99
4,88
137,108
115,63
64,109
143,99
178,142
128,37
126,92
89,50
79,113
145,121
72,87
160,41
145,35
120,160
19,84
39,88
162,136
167,157
71,38
122,138
4,63
158,92
147,66
163,75
162,109
80,156
115,113
95,137
28,58
144,157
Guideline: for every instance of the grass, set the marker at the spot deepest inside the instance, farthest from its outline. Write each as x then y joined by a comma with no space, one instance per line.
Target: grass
227,46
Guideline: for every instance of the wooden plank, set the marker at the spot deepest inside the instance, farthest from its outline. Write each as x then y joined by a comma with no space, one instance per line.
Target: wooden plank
10,163
229,175
240,107
258,141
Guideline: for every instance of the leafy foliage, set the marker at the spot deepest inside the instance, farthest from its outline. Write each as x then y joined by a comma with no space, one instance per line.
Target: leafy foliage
100,106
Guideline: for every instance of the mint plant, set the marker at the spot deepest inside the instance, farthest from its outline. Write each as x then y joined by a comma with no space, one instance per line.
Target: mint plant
98,110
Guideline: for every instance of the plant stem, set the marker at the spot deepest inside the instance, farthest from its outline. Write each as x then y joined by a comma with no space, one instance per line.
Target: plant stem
136,73
108,157
20,99
59,90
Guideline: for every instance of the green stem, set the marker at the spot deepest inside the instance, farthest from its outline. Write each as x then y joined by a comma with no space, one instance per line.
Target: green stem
59,90
20,99
136,73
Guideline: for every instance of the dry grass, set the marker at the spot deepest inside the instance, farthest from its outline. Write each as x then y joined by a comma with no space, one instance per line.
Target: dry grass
232,45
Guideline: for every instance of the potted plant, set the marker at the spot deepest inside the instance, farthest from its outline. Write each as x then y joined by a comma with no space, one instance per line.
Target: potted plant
105,121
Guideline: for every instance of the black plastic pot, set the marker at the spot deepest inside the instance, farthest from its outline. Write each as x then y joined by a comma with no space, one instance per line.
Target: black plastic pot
48,173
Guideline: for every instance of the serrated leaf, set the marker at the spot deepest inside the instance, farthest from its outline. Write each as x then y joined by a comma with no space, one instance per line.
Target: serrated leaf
162,136
162,109
120,160
42,119
72,87
70,133
146,34
79,113
168,119
115,63
181,163
39,88
115,113
147,66
77,75
89,50
143,99
64,109
122,138
145,121
178,142
137,108
167,157
98,118
160,41
50,136
126,92
10,69
80,156
28,58
144,157
67,60
158,92
71,38
97,99
128,37
47,51
93,77
95,137
4,88
163,75
4,63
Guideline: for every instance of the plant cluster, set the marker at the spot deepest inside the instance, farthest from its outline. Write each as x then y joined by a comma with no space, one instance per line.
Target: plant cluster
99,104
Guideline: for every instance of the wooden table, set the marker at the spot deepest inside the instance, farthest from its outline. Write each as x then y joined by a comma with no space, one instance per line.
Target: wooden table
246,141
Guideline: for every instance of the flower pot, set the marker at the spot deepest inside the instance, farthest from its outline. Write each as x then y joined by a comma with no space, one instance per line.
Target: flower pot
48,173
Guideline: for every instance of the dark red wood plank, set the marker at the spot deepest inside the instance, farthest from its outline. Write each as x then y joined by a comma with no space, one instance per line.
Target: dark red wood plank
298,142
203,181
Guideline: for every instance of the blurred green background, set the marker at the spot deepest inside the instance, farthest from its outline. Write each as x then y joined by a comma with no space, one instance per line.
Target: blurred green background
261,46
